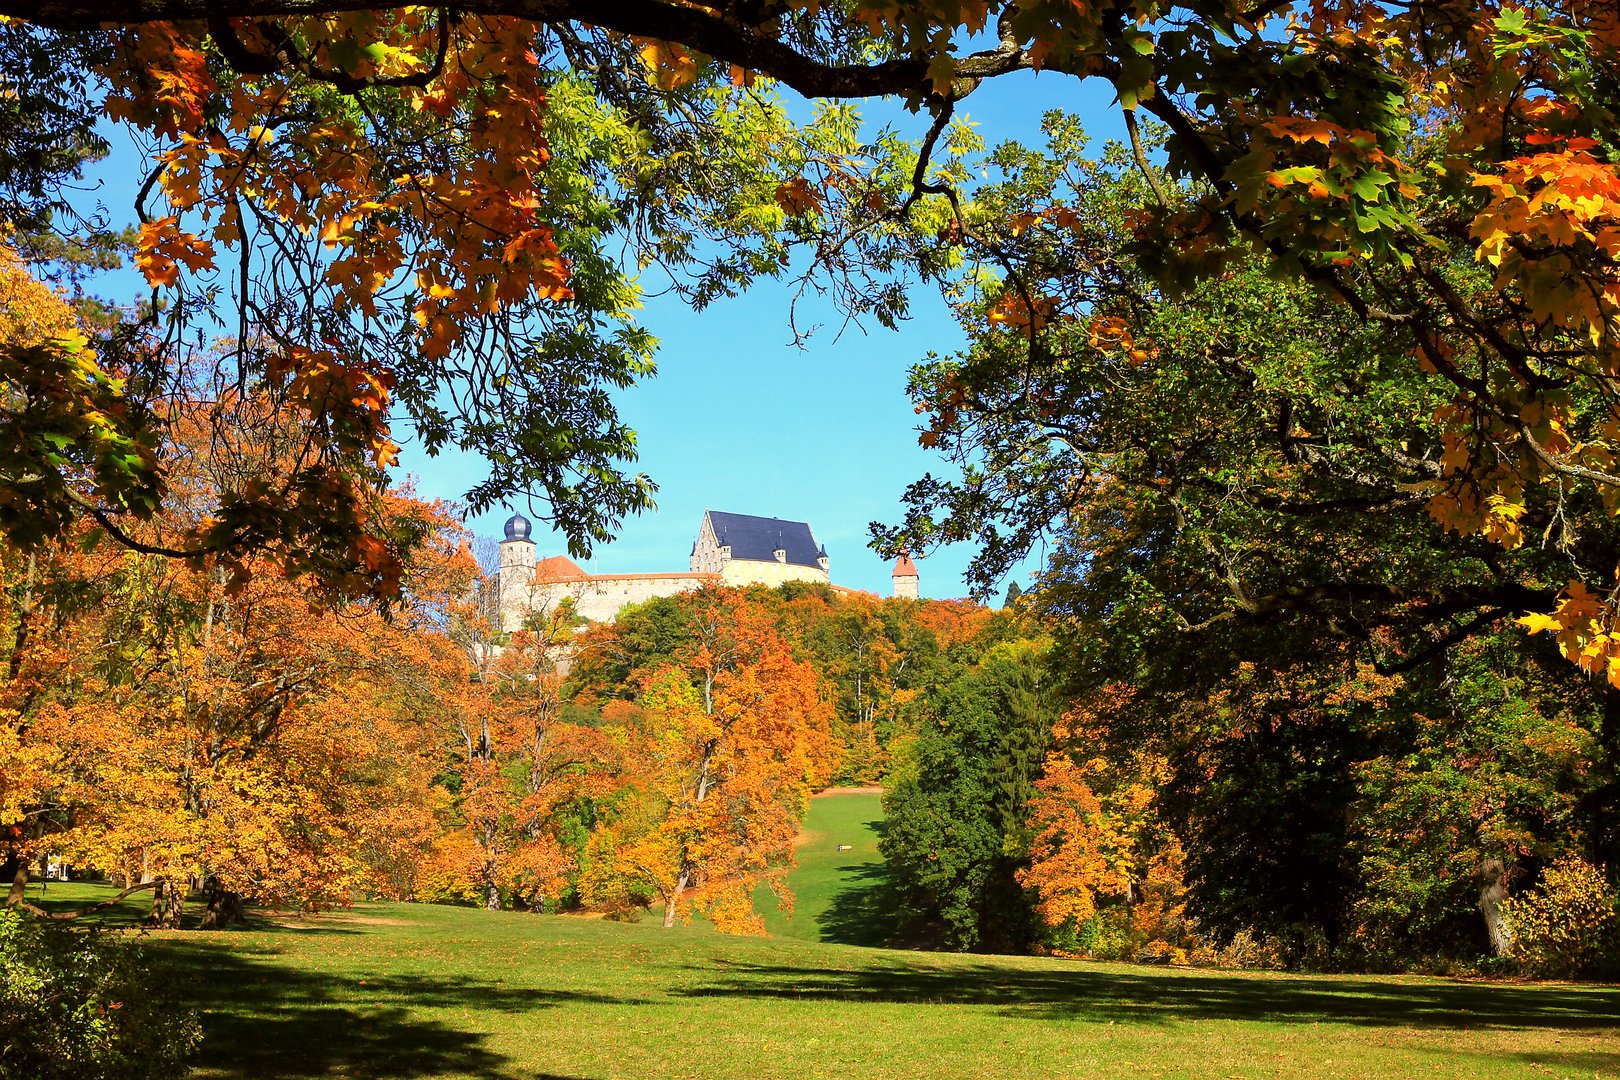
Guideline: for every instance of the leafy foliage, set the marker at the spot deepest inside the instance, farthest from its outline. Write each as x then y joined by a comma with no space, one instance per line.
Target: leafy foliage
1567,924
720,757
954,830
1311,412
75,1003
193,725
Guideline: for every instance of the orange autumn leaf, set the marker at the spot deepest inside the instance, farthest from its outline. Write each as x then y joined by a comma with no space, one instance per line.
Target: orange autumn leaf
797,198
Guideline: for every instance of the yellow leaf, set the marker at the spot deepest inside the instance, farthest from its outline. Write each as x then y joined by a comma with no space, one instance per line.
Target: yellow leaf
1537,623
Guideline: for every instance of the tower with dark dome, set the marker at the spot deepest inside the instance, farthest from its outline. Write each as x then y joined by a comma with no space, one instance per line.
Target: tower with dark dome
518,528
517,570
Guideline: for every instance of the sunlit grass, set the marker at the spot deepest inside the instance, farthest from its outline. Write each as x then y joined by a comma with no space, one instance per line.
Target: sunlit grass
414,991
838,895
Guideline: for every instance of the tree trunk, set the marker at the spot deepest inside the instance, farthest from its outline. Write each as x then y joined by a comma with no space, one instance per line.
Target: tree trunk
492,887
19,883
673,900
168,903
1603,802
25,611
224,906
1493,876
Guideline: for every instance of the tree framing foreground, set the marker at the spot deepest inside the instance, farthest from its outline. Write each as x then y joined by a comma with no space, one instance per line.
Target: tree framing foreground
1443,171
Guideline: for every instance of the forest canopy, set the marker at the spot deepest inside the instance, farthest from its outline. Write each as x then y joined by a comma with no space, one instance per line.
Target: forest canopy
401,216
1309,384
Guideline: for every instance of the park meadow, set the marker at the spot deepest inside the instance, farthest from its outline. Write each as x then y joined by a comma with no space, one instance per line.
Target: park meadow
417,991
554,538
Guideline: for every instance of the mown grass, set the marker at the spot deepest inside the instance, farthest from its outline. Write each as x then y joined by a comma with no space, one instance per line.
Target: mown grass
394,990
839,896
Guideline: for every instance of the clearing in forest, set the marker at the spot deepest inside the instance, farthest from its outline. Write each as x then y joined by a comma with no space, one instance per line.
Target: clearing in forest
401,990
838,895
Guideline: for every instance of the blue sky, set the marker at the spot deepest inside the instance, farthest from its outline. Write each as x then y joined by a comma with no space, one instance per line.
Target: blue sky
738,418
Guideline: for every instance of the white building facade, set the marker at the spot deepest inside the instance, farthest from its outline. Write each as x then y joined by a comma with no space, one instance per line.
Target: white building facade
730,549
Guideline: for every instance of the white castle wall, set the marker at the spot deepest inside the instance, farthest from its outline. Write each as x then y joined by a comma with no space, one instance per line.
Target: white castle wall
601,598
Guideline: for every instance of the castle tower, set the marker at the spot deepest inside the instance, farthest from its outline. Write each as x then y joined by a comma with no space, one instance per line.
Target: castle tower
906,580
517,571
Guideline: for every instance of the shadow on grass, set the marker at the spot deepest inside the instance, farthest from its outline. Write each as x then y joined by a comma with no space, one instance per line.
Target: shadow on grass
866,910
863,911
1145,997
261,1017
130,914
1578,1063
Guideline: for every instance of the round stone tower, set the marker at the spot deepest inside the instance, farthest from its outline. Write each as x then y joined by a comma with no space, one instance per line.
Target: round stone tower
517,571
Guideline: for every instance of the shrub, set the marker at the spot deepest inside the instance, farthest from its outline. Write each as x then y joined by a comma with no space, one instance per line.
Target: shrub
1104,936
1569,924
76,1003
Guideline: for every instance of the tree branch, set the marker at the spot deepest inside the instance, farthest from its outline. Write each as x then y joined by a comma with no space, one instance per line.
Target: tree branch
64,916
692,26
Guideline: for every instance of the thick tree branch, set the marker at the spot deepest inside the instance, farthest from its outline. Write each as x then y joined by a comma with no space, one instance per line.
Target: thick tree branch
1499,601
1435,648
693,27
64,916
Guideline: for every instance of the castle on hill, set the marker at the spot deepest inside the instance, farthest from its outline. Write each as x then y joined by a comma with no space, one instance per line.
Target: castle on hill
730,549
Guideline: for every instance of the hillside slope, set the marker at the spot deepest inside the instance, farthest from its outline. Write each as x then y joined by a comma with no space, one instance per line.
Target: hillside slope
838,895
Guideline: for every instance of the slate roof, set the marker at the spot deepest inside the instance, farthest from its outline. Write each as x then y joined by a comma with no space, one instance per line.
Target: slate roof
755,538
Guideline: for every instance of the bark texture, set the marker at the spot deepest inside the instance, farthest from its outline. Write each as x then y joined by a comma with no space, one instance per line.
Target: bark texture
168,904
1493,879
224,906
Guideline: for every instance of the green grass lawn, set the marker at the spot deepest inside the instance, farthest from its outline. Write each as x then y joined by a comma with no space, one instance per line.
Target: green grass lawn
838,895
397,990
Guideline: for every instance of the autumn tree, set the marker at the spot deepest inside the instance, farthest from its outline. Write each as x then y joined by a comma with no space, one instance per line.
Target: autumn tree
720,757
1095,828
229,739
176,725
556,761
876,655
518,763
